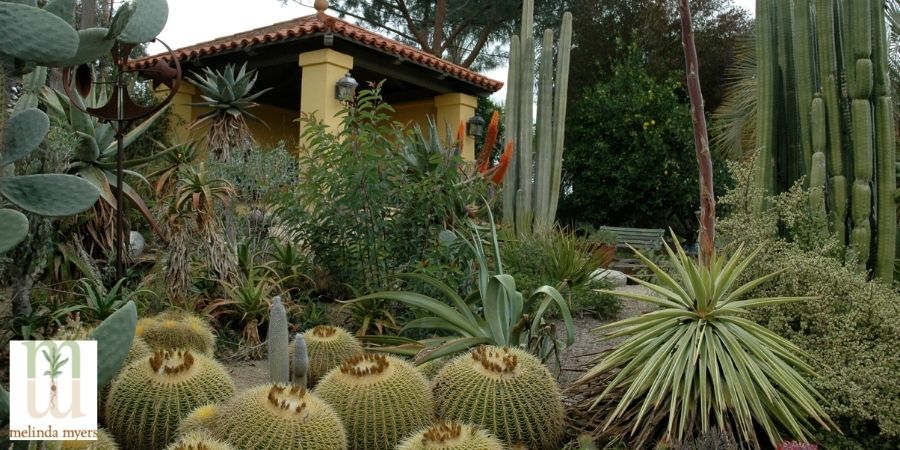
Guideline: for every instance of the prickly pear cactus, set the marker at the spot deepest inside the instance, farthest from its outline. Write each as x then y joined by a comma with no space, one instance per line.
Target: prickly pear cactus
199,441
279,417
505,390
381,399
175,329
151,396
451,436
328,347
104,442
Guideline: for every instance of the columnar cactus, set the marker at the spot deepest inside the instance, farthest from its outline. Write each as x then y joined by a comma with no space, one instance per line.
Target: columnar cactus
279,417
505,390
451,436
848,127
151,396
299,362
380,399
277,343
176,329
531,188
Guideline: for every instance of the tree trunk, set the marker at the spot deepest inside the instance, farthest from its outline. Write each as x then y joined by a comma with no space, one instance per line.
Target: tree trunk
21,296
701,138
88,14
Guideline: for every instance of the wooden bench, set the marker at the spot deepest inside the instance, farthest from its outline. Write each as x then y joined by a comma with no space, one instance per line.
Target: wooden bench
645,240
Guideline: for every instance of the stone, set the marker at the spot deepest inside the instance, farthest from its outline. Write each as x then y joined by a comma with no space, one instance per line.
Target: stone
612,277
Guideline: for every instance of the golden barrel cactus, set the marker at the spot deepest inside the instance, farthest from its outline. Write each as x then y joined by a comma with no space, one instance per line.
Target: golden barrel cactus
104,442
279,417
451,436
505,390
151,396
175,329
327,347
199,420
199,441
381,399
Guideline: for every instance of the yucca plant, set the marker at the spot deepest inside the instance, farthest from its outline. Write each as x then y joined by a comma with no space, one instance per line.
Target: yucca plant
698,362
228,96
496,313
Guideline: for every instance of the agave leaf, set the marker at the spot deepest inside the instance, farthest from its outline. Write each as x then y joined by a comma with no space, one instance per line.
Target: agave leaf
429,304
449,348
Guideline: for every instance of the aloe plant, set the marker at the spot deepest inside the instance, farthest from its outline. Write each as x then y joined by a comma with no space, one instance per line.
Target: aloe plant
494,314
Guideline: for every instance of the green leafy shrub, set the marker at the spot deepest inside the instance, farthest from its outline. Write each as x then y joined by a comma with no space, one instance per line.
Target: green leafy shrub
852,328
561,259
373,197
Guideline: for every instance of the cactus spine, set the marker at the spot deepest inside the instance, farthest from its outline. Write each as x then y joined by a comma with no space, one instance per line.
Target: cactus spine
849,126
277,343
531,190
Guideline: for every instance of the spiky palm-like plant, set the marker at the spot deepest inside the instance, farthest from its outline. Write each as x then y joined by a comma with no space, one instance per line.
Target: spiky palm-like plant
698,362
228,96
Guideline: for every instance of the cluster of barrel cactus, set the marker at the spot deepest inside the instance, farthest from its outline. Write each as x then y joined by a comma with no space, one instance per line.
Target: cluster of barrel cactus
824,111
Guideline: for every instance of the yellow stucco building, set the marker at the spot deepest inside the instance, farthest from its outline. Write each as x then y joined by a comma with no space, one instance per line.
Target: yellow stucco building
302,59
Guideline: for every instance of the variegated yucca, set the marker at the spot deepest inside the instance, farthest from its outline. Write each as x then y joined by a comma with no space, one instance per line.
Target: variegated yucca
697,361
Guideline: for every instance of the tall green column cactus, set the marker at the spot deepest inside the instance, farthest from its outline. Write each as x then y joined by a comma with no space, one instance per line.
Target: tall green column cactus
531,188
277,343
842,91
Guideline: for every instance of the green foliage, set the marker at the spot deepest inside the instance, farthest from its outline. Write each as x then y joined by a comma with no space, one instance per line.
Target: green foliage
562,259
495,313
149,398
373,198
633,135
679,364
380,400
851,327
277,417
523,406
99,302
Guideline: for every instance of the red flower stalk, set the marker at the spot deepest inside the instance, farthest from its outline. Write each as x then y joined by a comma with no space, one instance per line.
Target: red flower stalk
490,140
461,135
503,165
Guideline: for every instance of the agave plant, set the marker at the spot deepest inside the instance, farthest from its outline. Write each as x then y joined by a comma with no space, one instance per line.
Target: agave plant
697,362
228,96
494,314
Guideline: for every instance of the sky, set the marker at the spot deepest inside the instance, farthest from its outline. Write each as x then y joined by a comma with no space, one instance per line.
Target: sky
194,21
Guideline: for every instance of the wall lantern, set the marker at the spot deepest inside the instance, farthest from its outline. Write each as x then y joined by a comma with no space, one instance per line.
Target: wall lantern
475,127
345,88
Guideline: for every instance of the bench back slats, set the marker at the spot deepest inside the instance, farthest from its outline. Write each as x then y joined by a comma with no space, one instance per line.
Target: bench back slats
639,238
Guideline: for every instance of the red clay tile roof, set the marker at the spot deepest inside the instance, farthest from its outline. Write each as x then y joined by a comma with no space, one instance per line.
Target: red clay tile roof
308,25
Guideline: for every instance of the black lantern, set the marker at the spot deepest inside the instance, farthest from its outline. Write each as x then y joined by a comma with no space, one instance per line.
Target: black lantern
345,88
475,127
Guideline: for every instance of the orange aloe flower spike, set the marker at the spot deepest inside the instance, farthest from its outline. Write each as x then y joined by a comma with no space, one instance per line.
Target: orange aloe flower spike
490,140
461,135
503,165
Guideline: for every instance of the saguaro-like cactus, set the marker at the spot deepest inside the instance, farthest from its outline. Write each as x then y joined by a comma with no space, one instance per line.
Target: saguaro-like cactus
830,111
531,187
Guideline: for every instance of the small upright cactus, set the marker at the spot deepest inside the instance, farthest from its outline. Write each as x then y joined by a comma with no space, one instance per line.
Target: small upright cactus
327,347
300,362
277,343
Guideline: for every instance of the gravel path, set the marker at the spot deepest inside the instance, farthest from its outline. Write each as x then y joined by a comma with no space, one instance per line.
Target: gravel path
587,345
